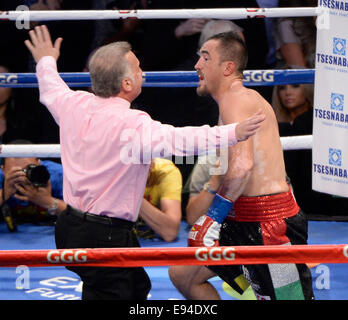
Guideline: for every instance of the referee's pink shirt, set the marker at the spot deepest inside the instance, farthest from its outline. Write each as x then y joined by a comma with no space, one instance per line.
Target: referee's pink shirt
96,135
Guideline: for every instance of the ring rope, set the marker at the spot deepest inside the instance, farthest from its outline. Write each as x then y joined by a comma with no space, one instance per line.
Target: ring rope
30,150
146,257
169,78
225,13
53,150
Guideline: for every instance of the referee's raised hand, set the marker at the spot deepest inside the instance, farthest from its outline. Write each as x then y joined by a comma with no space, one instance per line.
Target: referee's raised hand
40,43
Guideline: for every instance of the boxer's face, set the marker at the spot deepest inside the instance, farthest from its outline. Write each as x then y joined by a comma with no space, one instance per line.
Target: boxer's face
208,67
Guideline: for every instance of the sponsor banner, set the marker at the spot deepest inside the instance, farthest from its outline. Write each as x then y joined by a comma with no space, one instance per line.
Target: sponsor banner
330,114
175,78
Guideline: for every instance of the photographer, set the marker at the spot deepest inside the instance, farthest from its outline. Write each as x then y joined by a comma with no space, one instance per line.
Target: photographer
31,190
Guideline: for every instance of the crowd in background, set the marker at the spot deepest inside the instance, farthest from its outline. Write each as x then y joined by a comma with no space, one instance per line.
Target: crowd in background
172,45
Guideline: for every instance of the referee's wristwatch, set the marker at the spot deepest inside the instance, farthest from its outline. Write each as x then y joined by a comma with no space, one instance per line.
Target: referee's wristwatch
206,187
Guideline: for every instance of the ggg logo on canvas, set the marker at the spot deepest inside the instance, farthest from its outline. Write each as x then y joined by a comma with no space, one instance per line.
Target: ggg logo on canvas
337,101
335,157
339,46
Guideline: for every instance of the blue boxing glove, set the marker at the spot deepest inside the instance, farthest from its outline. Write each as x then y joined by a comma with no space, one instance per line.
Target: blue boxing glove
206,230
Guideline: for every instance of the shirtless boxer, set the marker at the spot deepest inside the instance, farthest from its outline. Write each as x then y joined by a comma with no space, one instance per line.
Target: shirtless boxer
265,211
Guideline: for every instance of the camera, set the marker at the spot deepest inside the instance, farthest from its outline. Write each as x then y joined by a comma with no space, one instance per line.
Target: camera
38,175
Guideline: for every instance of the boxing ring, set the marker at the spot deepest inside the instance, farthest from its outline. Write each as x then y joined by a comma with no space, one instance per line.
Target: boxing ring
53,282
33,246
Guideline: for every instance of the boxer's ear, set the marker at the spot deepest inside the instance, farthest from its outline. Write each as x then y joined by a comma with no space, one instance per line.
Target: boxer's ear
229,68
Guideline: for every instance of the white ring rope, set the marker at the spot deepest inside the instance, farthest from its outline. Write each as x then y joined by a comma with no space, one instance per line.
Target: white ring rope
53,150
225,13
297,142
30,150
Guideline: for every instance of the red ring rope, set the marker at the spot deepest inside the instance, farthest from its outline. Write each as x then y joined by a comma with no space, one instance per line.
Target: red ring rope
134,257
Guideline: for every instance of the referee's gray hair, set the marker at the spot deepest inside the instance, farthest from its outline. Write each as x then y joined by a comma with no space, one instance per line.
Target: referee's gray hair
108,66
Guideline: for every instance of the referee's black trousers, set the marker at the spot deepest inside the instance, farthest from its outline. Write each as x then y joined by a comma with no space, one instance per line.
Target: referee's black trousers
75,229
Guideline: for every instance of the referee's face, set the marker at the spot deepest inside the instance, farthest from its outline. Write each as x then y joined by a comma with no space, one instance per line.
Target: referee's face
137,73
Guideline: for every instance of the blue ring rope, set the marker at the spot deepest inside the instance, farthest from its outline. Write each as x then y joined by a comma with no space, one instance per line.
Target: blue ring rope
168,79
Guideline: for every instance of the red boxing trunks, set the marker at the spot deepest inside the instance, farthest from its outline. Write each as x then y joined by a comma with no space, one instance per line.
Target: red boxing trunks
268,220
